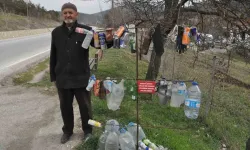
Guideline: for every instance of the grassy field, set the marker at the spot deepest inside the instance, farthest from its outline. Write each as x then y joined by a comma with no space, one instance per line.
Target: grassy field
229,115
228,121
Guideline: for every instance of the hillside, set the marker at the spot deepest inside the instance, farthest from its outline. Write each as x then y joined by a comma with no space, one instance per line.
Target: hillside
9,22
93,19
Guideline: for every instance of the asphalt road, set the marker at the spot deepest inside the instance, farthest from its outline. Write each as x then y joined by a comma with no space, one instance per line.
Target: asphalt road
14,51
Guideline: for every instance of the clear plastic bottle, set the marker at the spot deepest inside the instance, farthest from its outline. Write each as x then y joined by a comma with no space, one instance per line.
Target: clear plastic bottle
112,142
108,85
116,96
91,83
192,101
174,101
102,140
112,125
132,129
143,146
181,93
126,140
88,38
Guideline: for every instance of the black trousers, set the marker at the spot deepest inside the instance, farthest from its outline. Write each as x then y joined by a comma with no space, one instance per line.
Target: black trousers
83,98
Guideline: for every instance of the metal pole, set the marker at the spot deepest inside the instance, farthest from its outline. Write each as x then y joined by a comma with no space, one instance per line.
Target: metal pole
137,101
113,19
28,8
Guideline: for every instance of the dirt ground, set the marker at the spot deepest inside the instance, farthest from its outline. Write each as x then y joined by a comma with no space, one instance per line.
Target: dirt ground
31,120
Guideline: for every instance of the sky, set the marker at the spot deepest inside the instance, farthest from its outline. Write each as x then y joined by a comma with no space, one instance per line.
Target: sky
83,6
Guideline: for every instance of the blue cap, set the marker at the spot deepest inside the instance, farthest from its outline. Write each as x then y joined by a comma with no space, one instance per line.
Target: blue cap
194,83
123,130
131,124
182,83
93,77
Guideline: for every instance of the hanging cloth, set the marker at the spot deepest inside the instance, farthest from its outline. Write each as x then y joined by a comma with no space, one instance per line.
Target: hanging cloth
186,38
172,35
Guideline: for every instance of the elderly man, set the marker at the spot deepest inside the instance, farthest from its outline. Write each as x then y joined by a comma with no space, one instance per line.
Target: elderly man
69,70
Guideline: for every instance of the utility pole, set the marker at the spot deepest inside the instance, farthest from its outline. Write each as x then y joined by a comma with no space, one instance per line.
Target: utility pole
28,1
113,14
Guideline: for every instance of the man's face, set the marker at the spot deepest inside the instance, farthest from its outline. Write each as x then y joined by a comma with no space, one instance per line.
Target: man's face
69,15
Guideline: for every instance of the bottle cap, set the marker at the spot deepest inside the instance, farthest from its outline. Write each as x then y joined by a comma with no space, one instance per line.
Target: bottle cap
195,83
123,130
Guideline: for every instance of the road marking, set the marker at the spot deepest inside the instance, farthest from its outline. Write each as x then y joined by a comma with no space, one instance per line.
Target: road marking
23,60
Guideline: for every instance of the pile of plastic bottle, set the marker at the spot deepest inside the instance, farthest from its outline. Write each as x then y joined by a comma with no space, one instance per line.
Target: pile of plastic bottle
116,138
177,94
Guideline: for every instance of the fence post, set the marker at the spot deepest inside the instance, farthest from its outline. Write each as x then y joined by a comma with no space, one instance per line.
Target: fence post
96,61
211,88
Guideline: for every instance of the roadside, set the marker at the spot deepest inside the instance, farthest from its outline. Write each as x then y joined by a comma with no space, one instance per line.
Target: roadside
31,111
31,116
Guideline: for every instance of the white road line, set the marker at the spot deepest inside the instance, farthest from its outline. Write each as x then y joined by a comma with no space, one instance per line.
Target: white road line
23,60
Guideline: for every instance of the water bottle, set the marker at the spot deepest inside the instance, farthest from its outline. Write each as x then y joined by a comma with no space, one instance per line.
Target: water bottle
96,40
192,101
181,93
88,38
126,140
102,140
143,146
132,129
102,40
116,96
112,142
112,125
108,85
91,83
174,91
162,92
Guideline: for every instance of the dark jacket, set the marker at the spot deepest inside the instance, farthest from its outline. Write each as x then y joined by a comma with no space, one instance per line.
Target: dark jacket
69,61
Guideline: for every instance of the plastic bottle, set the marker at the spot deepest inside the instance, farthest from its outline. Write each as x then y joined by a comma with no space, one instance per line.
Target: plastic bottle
112,125
88,38
162,91
174,101
116,96
108,85
143,146
180,97
132,129
126,140
96,40
112,142
102,41
94,123
148,143
192,102
91,83
120,31
102,140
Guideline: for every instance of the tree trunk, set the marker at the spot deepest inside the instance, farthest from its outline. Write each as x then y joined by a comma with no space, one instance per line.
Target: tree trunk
158,50
154,66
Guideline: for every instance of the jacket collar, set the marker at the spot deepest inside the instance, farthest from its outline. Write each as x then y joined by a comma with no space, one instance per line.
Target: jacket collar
66,30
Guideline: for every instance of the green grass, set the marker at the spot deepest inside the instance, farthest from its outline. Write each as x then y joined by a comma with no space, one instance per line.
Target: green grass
24,77
229,115
163,125
228,121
